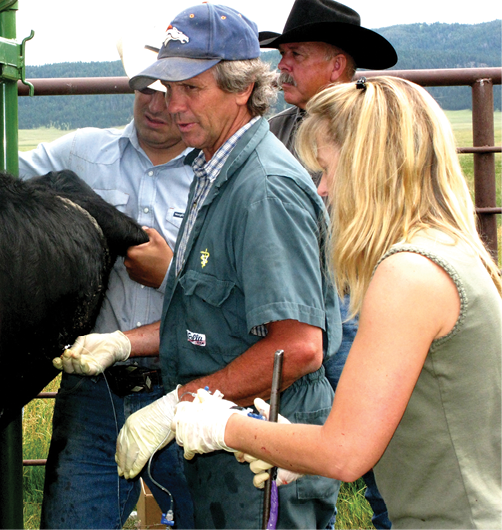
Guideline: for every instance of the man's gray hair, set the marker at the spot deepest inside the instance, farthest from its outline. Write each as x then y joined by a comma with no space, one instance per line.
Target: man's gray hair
236,76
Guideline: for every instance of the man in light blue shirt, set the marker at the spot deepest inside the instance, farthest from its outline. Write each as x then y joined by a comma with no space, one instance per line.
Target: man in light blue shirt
142,171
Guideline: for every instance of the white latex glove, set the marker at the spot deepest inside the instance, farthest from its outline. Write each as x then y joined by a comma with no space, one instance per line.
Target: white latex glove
200,425
260,467
145,431
92,354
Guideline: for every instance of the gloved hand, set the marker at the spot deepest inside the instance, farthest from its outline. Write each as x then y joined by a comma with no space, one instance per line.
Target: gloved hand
260,467
92,354
200,425
145,431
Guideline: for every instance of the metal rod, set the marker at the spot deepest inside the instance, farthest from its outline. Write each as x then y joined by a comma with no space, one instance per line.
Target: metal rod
11,436
120,85
484,163
275,399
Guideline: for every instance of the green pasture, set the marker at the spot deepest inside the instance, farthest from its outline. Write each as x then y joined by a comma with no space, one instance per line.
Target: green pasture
30,138
353,510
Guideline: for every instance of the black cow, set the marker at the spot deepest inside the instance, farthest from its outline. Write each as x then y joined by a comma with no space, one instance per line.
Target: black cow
58,243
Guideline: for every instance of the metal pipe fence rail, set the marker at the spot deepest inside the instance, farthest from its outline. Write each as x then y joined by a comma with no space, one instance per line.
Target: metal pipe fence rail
481,81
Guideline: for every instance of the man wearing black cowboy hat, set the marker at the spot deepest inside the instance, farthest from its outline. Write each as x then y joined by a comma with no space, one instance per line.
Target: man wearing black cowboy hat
323,42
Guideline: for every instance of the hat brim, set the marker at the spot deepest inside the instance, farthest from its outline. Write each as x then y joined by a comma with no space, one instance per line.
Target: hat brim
171,69
136,57
368,49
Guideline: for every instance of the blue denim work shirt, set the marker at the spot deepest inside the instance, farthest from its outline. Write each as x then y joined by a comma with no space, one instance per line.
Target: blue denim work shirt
112,162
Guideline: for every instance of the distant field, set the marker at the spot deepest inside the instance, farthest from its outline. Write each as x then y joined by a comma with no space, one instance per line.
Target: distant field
461,121
30,138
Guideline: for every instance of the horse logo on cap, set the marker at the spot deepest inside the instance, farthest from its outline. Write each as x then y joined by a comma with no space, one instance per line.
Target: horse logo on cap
173,33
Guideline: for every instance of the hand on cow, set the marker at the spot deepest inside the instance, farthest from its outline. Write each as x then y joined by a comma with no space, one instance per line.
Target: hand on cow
148,263
92,354
143,433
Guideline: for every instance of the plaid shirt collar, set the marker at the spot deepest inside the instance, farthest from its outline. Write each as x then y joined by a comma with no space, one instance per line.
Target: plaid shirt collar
212,168
206,173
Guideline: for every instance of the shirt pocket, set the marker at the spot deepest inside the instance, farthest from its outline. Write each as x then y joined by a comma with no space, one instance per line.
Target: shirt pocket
211,309
175,215
208,288
117,198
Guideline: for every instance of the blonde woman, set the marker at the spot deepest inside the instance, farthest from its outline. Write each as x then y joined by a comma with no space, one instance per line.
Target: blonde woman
419,398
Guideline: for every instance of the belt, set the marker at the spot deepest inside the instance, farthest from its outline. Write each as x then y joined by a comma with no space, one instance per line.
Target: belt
124,380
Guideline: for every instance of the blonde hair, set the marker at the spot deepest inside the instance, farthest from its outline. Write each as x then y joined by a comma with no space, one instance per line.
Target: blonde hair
398,172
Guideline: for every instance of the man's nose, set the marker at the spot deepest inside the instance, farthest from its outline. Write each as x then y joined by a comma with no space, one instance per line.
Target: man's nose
284,65
174,101
158,102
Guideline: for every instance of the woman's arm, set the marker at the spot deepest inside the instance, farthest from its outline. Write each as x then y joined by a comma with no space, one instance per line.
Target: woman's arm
410,302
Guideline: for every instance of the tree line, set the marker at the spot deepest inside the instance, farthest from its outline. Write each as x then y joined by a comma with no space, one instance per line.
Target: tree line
419,46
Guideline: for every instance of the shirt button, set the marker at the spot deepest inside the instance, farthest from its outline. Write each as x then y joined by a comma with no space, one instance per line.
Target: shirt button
138,324
150,173
146,210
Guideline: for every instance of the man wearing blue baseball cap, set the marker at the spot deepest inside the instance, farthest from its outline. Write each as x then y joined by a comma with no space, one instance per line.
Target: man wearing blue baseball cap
248,275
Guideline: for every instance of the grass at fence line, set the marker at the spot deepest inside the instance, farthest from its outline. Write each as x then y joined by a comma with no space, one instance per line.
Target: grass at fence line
353,509
37,430
461,121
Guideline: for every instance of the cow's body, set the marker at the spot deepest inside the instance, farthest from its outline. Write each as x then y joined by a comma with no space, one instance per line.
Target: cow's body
58,243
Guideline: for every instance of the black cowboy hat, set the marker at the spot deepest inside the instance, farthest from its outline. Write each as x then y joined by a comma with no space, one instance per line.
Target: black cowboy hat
332,22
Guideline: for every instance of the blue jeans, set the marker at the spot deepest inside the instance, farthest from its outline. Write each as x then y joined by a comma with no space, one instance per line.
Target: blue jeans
334,367
82,488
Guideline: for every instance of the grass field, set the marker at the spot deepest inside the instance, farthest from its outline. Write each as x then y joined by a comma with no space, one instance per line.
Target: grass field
30,138
353,510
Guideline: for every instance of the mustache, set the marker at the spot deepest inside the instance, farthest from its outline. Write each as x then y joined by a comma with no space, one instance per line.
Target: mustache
285,78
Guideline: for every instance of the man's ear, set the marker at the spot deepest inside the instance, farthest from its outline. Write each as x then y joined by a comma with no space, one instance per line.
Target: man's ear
339,67
243,97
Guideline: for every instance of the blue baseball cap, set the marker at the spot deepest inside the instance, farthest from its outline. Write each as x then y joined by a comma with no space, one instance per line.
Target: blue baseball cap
196,40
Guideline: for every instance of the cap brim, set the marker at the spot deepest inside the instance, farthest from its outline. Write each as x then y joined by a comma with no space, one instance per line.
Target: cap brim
171,69
367,47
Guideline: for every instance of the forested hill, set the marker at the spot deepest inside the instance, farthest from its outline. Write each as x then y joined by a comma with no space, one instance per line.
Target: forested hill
71,112
446,45
423,46
419,46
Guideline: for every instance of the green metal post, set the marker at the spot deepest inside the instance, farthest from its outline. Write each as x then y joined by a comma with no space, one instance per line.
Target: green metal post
11,457
8,93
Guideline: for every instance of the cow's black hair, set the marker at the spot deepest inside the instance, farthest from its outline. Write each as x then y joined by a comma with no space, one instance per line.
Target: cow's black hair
58,243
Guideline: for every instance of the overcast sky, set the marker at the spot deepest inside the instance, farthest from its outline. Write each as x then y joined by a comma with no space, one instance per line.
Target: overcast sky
87,30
